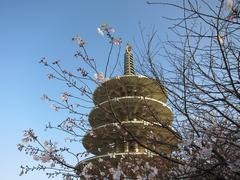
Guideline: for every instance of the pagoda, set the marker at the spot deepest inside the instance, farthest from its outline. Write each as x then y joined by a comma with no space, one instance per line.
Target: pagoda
131,128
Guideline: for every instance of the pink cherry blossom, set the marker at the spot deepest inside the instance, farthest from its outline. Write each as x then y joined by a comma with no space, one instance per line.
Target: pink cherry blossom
99,77
28,136
117,41
111,30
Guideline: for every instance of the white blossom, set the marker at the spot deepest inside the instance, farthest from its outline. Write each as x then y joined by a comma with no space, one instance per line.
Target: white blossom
100,31
50,76
64,96
79,41
89,165
45,158
102,173
54,107
28,136
99,77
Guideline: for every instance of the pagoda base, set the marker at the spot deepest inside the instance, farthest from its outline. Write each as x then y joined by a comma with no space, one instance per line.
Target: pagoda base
134,165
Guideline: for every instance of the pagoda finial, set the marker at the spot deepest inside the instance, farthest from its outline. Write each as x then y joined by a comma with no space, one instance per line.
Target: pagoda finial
128,61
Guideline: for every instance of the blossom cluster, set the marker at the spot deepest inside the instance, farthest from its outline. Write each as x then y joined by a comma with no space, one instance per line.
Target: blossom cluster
105,29
46,155
78,41
28,136
218,143
64,96
99,77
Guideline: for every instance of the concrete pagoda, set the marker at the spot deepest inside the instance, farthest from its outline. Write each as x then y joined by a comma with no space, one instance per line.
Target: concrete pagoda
129,120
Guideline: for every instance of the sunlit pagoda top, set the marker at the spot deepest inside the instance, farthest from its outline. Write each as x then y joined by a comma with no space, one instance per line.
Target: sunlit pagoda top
128,61
130,84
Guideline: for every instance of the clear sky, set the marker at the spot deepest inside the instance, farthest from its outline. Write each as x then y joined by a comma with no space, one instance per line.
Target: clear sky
32,29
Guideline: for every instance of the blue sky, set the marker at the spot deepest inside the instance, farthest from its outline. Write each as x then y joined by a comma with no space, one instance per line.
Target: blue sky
30,30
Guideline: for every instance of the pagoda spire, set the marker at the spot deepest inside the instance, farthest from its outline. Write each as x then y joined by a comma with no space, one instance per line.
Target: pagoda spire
128,61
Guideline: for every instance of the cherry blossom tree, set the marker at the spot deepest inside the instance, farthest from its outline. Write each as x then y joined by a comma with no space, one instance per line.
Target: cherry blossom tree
203,85
77,101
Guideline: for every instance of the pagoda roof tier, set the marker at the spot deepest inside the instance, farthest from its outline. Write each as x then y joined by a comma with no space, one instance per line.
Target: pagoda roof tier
111,137
129,85
129,108
127,161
